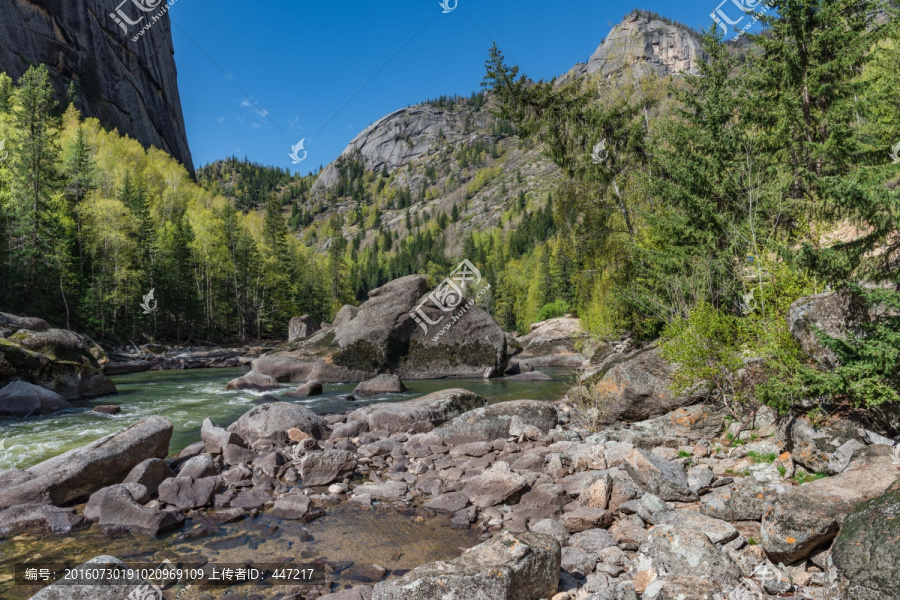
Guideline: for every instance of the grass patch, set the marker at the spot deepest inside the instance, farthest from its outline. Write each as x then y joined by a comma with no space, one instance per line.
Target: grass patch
758,457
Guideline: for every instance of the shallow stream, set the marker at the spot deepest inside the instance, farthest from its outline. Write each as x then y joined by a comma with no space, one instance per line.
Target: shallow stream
351,539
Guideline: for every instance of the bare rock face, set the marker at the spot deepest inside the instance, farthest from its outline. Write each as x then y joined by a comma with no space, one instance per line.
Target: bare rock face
128,85
510,566
649,46
402,137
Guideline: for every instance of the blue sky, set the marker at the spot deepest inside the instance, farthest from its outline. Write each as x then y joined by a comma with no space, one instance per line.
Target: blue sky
323,71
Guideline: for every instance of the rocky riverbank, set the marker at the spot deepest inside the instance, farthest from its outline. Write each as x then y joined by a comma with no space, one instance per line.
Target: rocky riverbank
43,369
688,503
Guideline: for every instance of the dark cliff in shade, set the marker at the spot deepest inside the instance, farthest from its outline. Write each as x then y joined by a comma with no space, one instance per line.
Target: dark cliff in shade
128,85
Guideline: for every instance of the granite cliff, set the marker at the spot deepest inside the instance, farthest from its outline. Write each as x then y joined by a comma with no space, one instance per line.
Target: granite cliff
128,85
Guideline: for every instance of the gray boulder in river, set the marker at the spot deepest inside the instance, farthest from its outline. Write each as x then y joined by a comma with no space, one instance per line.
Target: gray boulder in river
382,337
23,399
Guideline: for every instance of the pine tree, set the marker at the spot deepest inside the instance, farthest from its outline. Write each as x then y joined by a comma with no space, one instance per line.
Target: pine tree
6,93
35,184
81,178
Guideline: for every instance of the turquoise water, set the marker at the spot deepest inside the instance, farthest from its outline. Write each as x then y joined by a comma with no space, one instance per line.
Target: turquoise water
187,397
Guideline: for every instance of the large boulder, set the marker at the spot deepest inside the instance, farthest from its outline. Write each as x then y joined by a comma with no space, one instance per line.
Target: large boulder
553,343
834,314
494,421
301,327
269,420
215,438
187,492
56,359
659,476
116,507
638,389
435,408
839,315
150,473
15,323
867,553
686,552
383,384
805,517
510,566
321,468
77,474
384,337
253,381
821,449
23,399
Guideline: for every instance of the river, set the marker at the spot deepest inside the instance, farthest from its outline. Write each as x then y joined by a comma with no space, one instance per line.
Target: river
348,537
187,397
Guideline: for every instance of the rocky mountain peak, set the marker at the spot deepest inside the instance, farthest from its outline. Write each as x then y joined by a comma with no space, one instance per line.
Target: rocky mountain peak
408,134
649,44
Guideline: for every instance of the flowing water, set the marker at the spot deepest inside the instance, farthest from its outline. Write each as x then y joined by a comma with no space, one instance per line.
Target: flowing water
348,537
187,397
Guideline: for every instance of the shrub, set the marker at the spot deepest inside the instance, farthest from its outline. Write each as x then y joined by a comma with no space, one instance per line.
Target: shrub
557,308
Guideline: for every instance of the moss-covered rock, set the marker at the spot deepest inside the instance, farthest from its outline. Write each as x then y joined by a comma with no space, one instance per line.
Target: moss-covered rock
867,550
57,359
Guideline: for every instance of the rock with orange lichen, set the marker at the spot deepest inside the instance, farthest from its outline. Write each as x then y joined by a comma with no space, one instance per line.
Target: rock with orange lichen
807,516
